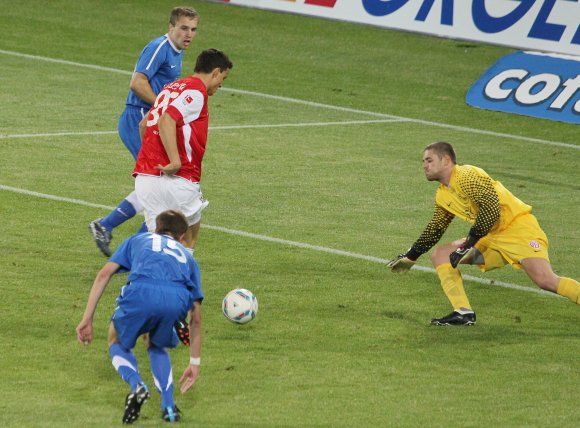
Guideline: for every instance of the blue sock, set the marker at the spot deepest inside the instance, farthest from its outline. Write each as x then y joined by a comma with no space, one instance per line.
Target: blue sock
143,228
124,211
126,365
162,374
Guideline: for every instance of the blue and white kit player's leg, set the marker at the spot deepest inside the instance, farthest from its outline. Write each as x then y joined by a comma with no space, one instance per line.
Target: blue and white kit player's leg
126,365
139,308
102,229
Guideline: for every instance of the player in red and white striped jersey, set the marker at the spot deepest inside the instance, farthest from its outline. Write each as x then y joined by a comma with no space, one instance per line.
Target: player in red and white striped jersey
174,136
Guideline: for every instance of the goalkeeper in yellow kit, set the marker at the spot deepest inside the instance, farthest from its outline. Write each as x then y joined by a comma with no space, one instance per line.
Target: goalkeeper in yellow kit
503,231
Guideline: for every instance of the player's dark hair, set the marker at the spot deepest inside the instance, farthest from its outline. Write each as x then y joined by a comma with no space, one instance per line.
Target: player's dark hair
172,223
442,148
210,59
180,11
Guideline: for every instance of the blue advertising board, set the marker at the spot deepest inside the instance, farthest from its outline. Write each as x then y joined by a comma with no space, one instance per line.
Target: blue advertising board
531,84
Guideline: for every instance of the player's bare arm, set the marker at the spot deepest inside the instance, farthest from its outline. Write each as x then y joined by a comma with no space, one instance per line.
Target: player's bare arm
191,373
85,328
141,86
142,127
167,132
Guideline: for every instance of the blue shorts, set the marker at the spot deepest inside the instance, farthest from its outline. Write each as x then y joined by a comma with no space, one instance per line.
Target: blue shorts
150,308
129,128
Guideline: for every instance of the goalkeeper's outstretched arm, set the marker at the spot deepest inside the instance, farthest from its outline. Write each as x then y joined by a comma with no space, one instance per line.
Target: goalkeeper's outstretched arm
430,236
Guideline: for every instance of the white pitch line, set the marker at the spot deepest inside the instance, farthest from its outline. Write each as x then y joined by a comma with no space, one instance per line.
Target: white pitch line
65,62
316,104
211,128
302,124
371,258
56,134
320,105
53,197
287,242
407,119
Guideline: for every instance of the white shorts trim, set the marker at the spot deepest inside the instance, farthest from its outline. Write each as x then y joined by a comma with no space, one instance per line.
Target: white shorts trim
169,192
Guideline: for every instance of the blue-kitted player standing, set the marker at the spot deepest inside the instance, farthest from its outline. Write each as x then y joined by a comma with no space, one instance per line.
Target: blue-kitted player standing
162,287
159,64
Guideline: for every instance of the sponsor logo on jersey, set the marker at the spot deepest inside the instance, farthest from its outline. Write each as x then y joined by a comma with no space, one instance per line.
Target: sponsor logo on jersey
531,84
535,245
187,100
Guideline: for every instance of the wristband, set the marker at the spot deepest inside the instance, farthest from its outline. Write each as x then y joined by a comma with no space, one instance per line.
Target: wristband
412,254
470,240
195,361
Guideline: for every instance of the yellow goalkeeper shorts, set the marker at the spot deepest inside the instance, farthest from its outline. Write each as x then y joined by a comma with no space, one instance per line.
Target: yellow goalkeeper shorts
522,239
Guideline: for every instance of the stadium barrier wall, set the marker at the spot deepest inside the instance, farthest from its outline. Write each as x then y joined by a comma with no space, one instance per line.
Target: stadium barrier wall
539,25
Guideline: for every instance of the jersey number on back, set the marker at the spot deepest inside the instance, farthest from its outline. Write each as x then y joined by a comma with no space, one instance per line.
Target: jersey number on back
172,248
161,103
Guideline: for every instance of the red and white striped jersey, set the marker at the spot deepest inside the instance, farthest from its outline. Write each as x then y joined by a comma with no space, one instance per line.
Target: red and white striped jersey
185,101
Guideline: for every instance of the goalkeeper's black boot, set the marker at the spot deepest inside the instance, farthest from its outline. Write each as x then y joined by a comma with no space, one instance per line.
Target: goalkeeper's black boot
182,330
171,414
455,318
133,403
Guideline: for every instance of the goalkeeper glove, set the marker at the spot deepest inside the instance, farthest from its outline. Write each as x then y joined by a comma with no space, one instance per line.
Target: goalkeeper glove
401,263
463,252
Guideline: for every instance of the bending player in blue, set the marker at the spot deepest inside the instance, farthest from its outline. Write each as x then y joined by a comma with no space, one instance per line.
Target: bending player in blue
159,64
162,287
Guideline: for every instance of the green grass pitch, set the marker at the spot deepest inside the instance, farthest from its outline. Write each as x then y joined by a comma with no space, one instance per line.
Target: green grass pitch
313,173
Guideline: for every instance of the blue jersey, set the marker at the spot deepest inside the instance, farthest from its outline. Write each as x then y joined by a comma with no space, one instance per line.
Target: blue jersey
160,61
157,260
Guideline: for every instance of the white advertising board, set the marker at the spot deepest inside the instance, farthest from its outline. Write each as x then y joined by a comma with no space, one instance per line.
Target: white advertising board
540,25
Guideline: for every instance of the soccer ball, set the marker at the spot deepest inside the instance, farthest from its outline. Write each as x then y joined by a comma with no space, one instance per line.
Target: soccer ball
240,306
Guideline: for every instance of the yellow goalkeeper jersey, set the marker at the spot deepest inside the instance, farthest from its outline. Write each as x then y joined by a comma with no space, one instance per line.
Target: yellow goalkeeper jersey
475,197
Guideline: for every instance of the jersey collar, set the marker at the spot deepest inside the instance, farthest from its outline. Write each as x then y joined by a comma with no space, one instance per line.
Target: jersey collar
171,44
